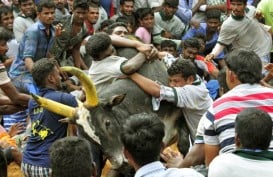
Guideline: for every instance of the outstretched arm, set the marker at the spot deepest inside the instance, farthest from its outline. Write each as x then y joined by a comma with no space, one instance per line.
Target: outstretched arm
14,95
146,84
133,64
147,49
211,151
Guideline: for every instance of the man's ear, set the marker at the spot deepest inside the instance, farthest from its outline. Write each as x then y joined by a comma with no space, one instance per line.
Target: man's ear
50,78
190,79
162,147
237,141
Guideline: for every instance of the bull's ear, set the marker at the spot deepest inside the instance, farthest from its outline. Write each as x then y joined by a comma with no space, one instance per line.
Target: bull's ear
116,100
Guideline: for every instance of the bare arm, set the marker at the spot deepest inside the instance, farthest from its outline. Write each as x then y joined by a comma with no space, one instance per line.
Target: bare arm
133,64
196,156
29,63
78,62
218,48
14,95
147,49
124,42
148,85
211,151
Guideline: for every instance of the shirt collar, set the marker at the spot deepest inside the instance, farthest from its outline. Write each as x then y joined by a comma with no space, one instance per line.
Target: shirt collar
149,168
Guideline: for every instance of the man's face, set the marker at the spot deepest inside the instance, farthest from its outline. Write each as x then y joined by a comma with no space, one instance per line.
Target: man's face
120,31
213,24
59,4
3,47
93,15
56,78
127,8
170,50
7,21
238,8
178,81
190,53
47,16
28,8
79,15
169,11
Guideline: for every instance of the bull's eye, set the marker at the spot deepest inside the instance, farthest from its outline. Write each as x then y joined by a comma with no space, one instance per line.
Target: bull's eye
107,123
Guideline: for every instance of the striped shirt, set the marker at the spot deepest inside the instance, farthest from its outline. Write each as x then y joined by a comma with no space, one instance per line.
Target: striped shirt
220,118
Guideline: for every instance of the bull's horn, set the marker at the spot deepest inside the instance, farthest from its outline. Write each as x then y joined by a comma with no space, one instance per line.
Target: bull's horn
55,107
90,89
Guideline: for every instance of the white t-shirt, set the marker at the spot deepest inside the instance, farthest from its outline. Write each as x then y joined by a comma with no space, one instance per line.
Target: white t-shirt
227,165
105,71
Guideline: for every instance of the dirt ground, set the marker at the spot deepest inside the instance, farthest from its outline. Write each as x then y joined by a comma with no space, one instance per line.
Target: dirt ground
14,170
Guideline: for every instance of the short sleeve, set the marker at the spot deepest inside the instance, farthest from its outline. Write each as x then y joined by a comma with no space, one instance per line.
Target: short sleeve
3,75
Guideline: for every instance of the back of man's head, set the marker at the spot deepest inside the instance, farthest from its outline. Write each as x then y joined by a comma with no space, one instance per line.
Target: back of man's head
97,44
142,137
41,69
246,65
253,128
71,157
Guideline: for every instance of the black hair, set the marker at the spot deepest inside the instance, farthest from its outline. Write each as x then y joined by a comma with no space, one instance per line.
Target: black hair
254,128
213,13
121,2
41,69
168,43
106,24
243,1
143,12
191,42
71,157
142,136
184,67
97,44
171,3
45,4
20,1
82,4
5,10
246,65
111,27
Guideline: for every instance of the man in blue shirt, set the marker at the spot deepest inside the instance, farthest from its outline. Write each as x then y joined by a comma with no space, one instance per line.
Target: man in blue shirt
35,45
210,30
45,125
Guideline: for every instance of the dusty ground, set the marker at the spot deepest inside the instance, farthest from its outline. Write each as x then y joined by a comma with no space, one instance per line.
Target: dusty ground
14,170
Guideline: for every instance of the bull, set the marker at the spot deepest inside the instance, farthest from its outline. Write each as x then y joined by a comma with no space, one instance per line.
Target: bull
100,118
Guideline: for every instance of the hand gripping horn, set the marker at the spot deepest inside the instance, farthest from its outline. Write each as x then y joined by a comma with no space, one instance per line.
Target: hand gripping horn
67,111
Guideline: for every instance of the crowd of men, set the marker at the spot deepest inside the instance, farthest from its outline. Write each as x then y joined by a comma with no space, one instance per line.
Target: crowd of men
217,54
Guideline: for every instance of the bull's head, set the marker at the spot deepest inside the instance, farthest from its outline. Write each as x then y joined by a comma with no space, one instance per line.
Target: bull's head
90,116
